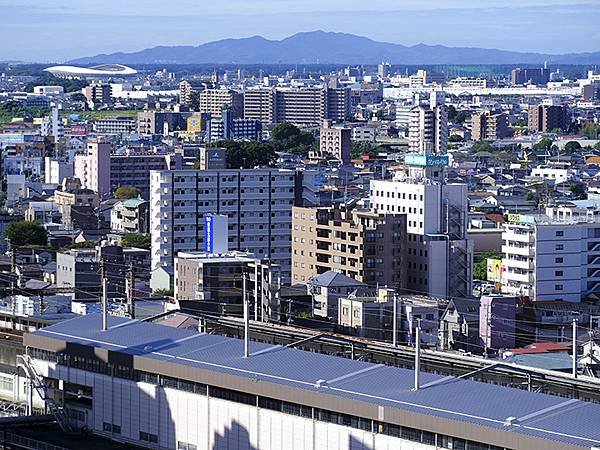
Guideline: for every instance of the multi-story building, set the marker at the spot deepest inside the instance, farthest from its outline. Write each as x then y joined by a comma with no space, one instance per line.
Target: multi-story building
214,101
187,88
439,255
302,106
211,158
329,287
258,203
93,168
497,321
130,216
549,260
363,245
230,128
132,168
98,93
539,75
428,127
217,278
545,118
335,142
115,125
488,126
162,122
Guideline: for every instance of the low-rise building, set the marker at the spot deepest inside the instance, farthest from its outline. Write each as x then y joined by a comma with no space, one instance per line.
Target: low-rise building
130,216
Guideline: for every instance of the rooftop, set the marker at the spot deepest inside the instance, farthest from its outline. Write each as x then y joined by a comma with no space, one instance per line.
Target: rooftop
567,422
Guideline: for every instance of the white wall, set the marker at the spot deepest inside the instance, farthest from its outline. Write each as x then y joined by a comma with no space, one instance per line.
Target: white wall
213,423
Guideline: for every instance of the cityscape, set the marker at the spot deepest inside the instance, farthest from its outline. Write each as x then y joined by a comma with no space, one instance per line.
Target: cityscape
300,228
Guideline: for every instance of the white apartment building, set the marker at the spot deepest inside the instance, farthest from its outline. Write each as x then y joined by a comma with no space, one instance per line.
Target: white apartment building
439,254
428,126
550,260
258,203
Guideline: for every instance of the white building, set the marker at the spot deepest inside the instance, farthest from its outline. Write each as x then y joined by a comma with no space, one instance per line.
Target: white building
57,169
428,126
439,254
557,173
156,386
550,260
258,203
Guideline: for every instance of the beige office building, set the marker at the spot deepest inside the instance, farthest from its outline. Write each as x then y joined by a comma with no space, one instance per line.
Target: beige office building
214,101
363,245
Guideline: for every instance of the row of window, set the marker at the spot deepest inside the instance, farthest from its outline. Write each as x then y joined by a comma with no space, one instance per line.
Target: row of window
284,407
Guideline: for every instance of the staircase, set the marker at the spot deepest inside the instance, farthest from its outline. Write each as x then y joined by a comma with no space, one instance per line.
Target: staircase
37,382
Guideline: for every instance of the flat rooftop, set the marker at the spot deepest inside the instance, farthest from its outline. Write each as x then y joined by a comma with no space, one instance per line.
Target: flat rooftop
565,423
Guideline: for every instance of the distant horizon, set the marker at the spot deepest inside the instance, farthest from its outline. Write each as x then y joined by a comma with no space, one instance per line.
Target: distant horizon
66,30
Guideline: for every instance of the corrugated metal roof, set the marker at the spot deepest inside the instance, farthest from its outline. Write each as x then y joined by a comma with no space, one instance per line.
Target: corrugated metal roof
559,419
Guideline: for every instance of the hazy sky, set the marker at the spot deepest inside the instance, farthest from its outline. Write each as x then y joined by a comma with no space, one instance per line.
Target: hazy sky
42,30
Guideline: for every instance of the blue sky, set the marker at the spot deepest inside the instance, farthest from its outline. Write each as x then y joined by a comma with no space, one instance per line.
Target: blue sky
39,30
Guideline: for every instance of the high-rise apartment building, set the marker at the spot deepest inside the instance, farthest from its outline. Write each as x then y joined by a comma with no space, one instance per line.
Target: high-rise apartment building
363,245
489,126
550,260
215,101
439,256
428,127
187,88
93,167
302,106
258,203
539,75
545,118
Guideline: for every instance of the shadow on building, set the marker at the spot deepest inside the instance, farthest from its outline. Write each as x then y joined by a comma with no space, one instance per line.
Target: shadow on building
234,437
355,444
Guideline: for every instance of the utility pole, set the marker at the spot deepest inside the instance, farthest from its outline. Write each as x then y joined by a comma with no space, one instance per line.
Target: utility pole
417,355
395,323
130,284
246,316
574,347
104,293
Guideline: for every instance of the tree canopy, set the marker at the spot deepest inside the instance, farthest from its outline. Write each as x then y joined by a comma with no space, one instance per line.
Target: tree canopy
137,240
457,116
26,233
245,154
591,130
127,192
544,144
287,137
482,146
572,146
47,79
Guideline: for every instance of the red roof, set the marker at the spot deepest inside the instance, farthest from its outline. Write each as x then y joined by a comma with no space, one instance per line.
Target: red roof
540,347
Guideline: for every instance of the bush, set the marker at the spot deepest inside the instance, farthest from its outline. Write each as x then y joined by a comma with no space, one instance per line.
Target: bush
25,233
137,240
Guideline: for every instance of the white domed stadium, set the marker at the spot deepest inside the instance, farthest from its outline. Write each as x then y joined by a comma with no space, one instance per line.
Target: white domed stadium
101,71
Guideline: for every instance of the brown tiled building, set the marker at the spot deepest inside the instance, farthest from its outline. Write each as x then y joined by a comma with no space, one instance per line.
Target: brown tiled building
363,245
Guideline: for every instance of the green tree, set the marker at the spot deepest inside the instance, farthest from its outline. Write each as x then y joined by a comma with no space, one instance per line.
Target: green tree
245,154
480,264
482,146
543,144
195,100
126,192
137,240
455,138
287,137
572,146
520,122
457,116
597,145
360,148
578,190
591,130
26,233
163,293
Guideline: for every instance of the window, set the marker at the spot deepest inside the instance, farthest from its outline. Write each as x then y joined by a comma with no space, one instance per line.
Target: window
558,287
558,273
558,260
559,247
560,233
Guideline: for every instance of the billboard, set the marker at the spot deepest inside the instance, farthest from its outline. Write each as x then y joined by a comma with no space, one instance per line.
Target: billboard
215,233
521,218
494,270
413,159
194,124
78,130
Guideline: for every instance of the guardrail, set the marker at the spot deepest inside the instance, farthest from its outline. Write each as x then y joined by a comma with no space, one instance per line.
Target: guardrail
7,437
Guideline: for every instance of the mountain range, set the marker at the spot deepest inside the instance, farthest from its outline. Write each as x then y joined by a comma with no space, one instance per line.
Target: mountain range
329,48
